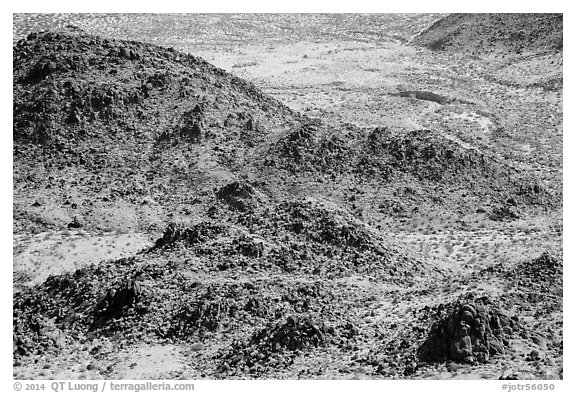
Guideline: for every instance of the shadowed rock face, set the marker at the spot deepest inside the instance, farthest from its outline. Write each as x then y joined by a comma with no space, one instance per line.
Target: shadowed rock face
470,332
115,302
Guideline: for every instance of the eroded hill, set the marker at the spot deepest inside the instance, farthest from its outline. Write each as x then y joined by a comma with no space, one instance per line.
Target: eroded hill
495,33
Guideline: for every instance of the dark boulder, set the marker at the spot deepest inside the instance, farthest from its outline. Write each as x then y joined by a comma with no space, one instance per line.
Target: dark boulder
194,234
238,195
75,224
116,300
249,246
504,213
469,332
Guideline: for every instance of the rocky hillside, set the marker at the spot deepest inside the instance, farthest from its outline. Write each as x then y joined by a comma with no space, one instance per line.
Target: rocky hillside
494,33
271,259
157,293
101,123
106,128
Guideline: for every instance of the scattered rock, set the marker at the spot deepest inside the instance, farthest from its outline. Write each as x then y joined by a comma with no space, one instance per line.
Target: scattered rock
276,345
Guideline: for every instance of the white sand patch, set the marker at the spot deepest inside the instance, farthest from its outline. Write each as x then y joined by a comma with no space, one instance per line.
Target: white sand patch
38,256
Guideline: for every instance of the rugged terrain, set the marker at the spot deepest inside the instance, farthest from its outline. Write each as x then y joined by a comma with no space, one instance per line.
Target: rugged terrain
174,220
